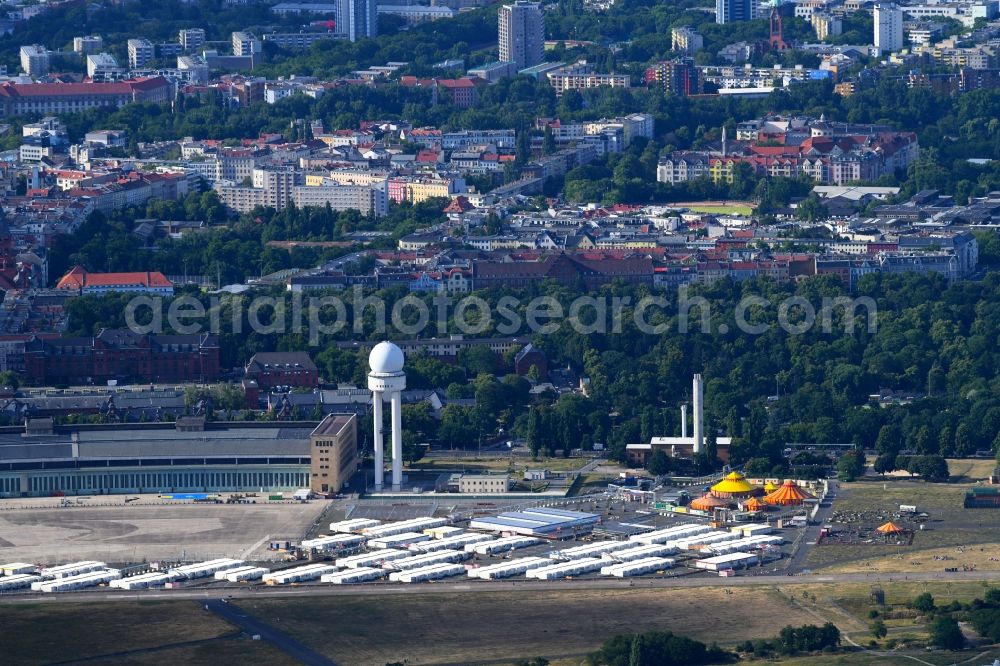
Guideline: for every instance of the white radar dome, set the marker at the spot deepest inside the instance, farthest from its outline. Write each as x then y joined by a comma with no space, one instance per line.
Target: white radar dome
386,358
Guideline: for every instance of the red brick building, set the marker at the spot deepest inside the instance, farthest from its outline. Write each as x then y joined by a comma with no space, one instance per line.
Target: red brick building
270,369
122,355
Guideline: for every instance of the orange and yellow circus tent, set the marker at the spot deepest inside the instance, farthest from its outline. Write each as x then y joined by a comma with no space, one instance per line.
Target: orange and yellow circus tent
788,494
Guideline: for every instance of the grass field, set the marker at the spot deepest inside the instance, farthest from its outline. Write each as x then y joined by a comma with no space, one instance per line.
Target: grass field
964,536
721,209
47,633
496,628
468,629
240,650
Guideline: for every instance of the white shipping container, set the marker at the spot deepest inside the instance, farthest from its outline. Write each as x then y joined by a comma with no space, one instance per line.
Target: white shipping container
670,534
426,559
728,561
458,541
563,569
69,570
400,540
251,573
503,545
637,567
203,569
589,550
414,525
433,572
298,574
89,579
351,576
334,542
375,559
640,552
510,568
17,581
140,582
443,531
15,568
354,526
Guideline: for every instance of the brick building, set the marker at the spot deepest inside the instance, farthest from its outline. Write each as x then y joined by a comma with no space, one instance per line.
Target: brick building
122,355
270,369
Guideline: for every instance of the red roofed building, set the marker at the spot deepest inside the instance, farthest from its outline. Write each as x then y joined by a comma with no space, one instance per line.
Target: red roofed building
84,283
22,98
462,91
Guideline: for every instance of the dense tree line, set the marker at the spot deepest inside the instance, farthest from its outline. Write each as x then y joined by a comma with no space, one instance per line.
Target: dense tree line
663,648
233,252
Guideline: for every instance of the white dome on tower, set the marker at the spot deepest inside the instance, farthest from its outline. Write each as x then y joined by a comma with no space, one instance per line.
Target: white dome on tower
386,358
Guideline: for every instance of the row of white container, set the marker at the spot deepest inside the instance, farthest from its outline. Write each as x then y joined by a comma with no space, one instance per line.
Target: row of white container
426,559
503,545
564,569
353,526
509,568
403,526
17,581
367,560
203,569
727,561
589,550
71,570
746,544
298,574
698,540
670,534
639,552
637,567
242,573
350,576
451,541
142,581
334,542
80,581
17,569
432,572
398,540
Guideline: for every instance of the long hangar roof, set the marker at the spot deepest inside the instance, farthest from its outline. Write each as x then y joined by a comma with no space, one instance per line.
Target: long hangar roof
161,442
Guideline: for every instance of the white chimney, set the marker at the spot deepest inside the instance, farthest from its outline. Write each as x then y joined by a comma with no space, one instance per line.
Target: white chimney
684,420
699,398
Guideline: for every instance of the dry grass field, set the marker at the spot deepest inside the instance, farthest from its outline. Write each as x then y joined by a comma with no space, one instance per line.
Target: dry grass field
494,627
966,537
48,633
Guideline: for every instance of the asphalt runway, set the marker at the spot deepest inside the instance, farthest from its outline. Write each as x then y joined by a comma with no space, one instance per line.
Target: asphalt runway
151,532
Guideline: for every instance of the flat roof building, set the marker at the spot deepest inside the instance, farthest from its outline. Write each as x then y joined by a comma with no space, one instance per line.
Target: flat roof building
334,453
188,456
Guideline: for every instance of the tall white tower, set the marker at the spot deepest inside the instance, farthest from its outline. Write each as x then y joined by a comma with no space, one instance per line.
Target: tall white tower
387,376
699,412
888,27
521,33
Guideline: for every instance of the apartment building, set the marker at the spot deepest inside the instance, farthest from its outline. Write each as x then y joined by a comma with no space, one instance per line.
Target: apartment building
140,53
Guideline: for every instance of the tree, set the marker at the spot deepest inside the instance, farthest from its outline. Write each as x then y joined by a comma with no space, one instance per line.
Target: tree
923,603
964,443
885,463
8,379
946,634
659,463
878,629
811,209
850,466
890,440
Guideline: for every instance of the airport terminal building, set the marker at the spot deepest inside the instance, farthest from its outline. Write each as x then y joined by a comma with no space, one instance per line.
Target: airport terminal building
41,459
